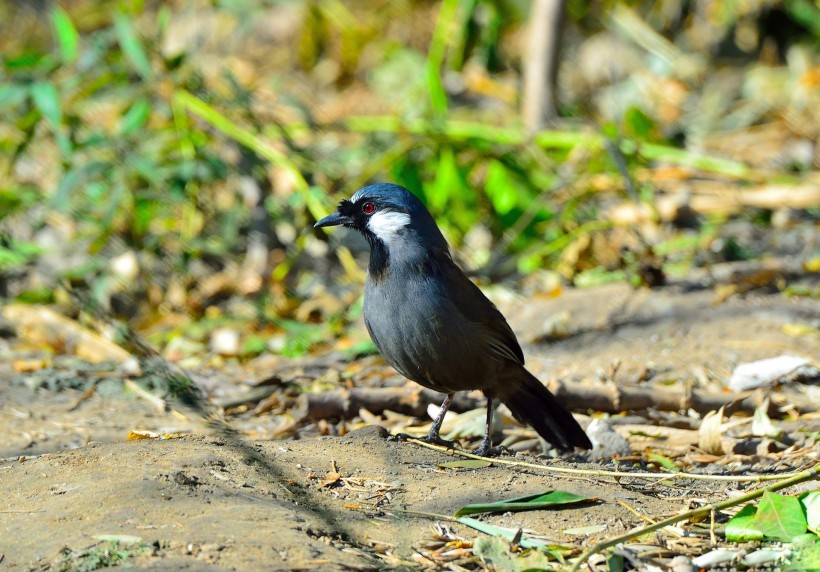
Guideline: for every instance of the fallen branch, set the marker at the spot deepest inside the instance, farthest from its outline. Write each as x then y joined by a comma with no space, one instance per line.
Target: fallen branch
612,398
346,403
803,476
579,396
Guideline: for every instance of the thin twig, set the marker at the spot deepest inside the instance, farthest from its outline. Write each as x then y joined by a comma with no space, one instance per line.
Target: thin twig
615,474
803,476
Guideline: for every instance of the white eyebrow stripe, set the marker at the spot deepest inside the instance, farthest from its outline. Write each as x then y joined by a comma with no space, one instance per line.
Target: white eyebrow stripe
356,196
386,224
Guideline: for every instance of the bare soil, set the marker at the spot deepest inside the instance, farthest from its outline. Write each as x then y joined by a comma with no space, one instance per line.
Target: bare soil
222,502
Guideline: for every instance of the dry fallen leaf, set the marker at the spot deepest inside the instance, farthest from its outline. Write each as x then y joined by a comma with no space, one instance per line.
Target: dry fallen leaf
710,432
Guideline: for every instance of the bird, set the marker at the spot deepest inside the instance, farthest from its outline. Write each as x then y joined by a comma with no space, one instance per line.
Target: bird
435,326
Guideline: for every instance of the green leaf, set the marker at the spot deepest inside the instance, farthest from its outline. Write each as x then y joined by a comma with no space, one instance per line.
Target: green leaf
806,554
135,117
779,518
639,125
762,425
740,527
446,181
47,100
664,462
810,502
499,555
132,46
12,95
500,188
67,36
465,464
504,533
548,499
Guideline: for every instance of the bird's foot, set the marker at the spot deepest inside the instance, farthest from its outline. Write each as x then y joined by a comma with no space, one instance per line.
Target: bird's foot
486,449
437,440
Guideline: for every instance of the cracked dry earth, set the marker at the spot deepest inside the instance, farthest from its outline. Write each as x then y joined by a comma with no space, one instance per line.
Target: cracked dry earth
219,502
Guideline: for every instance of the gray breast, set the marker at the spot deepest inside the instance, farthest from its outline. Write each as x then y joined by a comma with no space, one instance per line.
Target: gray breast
419,331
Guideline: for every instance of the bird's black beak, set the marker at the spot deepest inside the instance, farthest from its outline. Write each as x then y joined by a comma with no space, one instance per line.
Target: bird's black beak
333,219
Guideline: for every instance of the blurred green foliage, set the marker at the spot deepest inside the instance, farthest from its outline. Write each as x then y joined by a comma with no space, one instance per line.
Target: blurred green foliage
178,130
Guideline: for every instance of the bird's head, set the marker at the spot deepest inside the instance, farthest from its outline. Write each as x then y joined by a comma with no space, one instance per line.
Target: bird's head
388,216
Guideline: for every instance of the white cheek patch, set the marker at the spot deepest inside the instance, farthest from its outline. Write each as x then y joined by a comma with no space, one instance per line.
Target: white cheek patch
387,224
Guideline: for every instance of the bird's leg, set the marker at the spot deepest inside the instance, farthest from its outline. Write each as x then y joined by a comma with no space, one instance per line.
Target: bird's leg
432,435
486,448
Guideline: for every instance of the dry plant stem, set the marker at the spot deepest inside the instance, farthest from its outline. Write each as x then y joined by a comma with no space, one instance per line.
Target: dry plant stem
616,474
803,476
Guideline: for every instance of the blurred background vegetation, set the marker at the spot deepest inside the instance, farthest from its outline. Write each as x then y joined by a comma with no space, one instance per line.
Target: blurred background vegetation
166,160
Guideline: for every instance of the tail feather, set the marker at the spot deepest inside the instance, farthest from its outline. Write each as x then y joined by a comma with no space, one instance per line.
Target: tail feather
532,403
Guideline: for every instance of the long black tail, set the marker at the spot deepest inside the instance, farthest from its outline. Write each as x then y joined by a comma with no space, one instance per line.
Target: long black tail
532,403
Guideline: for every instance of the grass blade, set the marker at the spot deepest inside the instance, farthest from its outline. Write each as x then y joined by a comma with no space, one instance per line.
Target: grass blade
67,36
132,46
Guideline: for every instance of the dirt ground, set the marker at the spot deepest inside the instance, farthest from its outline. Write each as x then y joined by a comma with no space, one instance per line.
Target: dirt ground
221,502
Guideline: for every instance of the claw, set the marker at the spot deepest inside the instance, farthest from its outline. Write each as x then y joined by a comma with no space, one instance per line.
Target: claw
486,449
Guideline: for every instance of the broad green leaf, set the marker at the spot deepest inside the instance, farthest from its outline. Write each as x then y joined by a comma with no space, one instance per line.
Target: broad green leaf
811,508
67,36
504,533
465,464
135,117
47,100
779,518
548,499
740,527
131,45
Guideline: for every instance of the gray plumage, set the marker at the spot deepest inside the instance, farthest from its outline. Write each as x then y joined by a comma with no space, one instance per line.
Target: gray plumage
434,325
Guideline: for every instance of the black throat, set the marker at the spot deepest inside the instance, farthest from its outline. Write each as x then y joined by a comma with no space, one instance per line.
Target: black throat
379,257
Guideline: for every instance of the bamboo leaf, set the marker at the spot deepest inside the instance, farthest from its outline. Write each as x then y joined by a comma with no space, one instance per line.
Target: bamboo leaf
47,100
67,36
549,499
132,46
135,117
504,533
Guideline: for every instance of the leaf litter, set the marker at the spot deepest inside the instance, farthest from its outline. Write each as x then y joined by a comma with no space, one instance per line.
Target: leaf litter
775,438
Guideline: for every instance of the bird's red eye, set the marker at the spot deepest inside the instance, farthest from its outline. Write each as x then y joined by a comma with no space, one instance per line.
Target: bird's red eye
368,208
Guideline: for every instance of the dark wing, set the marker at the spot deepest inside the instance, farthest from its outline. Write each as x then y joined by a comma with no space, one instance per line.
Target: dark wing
475,307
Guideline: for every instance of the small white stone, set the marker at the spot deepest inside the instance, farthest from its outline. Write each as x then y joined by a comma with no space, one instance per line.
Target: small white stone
225,341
